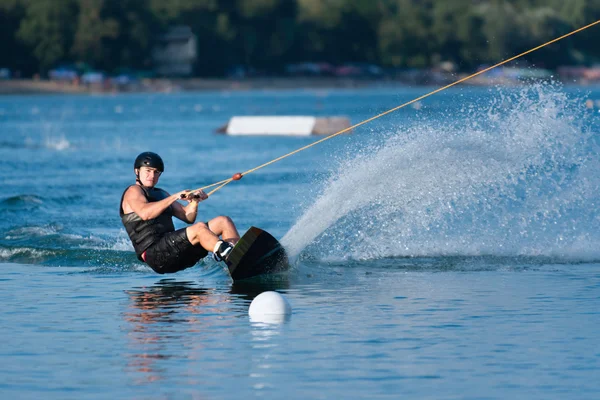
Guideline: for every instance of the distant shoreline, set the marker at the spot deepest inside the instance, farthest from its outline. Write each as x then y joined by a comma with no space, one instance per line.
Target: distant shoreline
32,86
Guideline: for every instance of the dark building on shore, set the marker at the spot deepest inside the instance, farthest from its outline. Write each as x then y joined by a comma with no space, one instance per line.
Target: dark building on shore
176,53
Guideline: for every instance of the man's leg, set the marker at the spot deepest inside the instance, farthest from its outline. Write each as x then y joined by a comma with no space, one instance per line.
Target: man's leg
174,252
199,235
224,227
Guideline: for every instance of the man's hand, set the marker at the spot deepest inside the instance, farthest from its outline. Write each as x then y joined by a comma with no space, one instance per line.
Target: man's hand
196,196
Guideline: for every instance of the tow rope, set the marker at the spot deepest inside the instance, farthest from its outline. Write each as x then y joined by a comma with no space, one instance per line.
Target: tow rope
239,175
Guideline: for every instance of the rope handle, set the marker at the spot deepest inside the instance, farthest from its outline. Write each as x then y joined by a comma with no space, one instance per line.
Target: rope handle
236,177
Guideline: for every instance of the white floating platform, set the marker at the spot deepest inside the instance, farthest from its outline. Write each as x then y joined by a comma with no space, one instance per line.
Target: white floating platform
284,126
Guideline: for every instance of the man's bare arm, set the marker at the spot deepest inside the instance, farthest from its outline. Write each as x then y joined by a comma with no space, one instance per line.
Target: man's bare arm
186,213
135,199
189,212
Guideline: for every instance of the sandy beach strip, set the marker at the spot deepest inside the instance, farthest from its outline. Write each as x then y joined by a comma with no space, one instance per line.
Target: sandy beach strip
31,86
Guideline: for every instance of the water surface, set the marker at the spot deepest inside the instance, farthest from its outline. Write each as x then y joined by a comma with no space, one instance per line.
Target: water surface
448,251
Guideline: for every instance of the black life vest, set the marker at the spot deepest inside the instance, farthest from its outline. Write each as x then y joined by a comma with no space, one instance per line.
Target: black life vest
142,233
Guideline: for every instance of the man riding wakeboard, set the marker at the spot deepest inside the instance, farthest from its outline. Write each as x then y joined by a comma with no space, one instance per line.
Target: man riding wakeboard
147,211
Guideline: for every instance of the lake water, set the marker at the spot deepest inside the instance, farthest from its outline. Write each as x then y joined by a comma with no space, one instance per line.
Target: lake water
448,250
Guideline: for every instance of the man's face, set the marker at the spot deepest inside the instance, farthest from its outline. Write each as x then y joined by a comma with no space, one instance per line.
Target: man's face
149,176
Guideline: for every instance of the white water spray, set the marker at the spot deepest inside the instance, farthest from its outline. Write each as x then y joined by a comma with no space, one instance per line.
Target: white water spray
516,177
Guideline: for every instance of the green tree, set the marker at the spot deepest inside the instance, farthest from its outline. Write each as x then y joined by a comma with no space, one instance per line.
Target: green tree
404,36
14,54
130,32
35,35
457,33
577,13
338,30
48,29
264,32
93,32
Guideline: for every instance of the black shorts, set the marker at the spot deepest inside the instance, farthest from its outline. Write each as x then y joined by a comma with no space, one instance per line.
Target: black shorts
173,252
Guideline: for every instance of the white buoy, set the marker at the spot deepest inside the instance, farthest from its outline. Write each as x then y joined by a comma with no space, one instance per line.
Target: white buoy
269,307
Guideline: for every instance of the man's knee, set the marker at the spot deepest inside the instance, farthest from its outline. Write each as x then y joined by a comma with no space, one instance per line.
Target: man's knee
200,225
194,230
223,220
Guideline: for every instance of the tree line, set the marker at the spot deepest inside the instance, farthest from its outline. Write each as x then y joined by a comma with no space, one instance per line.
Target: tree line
37,35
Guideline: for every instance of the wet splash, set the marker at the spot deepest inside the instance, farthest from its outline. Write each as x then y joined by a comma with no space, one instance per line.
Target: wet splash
52,244
109,252
513,178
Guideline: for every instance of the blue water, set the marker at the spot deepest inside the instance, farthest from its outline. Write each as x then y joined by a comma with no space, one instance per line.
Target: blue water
449,250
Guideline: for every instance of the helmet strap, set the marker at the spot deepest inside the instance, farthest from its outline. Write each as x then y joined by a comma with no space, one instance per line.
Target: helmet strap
137,177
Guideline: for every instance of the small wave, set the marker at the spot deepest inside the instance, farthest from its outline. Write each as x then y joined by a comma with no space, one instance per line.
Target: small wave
94,243
25,255
27,232
53,236
21,202
67,257
98,262
24,202
58,143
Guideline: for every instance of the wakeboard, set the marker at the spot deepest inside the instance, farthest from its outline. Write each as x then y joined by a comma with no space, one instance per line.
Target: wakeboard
256,253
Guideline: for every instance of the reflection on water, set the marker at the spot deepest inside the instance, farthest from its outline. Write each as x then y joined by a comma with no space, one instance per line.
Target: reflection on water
172,320
250,288
163,301
162,315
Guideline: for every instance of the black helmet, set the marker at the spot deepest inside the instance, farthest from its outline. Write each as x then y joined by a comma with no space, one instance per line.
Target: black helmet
149,159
